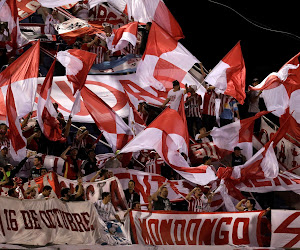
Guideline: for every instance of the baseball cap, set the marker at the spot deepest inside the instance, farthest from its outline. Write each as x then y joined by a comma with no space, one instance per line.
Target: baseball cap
237,148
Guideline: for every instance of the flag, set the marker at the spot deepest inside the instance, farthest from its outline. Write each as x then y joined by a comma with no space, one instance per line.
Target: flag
238,133
229,75
264,163
281,89
281,93
9,14
46,113
17,140
164,60
78,64
124,35
167,135
115,130
27,7
76,27
22,74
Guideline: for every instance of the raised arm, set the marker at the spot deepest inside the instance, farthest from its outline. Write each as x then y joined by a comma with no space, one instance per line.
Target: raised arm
154,196
64,154
239,205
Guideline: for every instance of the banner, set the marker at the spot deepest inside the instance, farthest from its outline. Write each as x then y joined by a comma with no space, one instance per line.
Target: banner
285,228
40,222
147,184
182,228
92,190
283,182
288,154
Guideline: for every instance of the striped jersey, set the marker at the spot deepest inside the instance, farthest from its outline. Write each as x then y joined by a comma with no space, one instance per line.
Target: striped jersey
199,204
100,52
209,103
193,106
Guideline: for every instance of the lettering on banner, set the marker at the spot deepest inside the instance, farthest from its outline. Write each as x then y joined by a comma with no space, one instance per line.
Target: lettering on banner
210,231
284,228
52,218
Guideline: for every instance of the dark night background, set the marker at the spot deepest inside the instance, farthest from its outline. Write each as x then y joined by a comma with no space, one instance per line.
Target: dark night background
212,30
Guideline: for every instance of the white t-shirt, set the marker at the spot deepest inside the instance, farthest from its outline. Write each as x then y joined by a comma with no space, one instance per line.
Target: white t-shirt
175,98
105,211
40,196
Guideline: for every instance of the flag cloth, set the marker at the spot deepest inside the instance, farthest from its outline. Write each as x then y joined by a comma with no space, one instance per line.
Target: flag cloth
115,130
78,64
264,163
281,93
22,74
46,113
124,35
168,138
238,133
164,60
9,14
229,75
17,140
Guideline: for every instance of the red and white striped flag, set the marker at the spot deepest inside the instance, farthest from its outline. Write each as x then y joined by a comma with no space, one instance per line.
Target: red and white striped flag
124,35
22,74
229,75
46,113
115,130
238,133
264,163
281,92
78,64
164,60
168,139
9,14
17,140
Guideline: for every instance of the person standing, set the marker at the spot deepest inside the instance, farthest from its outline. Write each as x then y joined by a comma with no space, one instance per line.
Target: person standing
130,195
174,96
160,199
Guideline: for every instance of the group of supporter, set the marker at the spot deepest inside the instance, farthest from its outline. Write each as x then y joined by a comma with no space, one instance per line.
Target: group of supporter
78,149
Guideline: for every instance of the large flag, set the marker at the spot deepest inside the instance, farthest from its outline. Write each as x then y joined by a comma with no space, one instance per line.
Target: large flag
264,163
229,75
146,11
46,113
115,130
238,133
22,74
281,92
17,140
78,64
164,60
9,14
124,35
167,135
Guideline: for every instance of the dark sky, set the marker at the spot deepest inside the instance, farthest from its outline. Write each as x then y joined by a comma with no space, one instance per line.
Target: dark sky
212,30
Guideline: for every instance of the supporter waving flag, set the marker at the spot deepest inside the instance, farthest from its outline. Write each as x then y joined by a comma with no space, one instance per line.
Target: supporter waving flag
124,35
22,74
115,130
17,140
164,60
46,113
229,75
78,64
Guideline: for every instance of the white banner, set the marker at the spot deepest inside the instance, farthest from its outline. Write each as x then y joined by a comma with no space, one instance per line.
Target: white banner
182,228
39,222
92,190
283,182
285,228
147,184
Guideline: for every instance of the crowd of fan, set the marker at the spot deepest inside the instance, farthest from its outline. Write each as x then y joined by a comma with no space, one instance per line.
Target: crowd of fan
79,150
